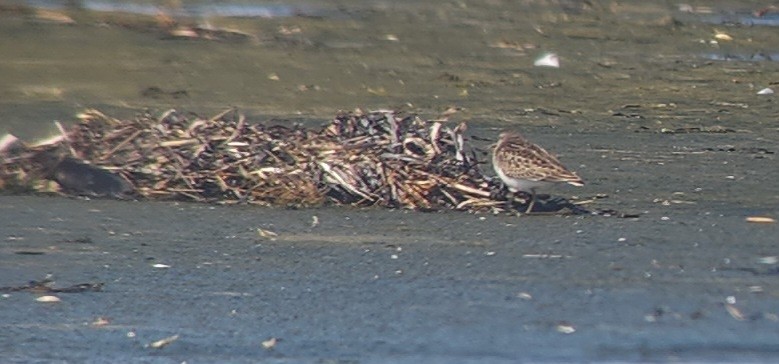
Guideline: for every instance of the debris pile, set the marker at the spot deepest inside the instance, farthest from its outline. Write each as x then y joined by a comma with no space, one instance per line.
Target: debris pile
376,158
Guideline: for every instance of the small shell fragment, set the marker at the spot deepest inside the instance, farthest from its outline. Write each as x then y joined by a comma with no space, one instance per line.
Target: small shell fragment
760,219
267,234
99,322
545,256
735,312
766,91
53,16
48,299
159,265
164,342
270,343
548,60
566,328
718,35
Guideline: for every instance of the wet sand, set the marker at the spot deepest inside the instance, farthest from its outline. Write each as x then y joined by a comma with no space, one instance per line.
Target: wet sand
375,285
682,142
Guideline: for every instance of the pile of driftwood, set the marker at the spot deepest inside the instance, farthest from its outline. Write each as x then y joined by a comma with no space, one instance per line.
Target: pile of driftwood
376,158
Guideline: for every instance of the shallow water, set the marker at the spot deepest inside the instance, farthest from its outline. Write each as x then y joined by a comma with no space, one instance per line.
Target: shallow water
652,105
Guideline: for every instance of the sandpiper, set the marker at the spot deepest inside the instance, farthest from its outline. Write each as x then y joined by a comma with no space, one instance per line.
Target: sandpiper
524,166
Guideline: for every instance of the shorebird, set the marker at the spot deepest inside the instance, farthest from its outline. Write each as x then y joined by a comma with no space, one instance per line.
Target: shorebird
524,166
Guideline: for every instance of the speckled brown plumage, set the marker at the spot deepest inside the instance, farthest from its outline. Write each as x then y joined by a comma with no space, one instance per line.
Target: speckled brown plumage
524,166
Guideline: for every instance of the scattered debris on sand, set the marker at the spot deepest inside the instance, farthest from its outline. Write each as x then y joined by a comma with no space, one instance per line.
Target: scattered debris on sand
360,158
375,158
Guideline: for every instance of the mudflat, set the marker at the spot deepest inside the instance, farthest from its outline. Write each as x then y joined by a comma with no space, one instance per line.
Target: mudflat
688,279
663,125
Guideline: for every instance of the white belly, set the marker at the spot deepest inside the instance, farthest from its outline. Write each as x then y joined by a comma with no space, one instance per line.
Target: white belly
518,184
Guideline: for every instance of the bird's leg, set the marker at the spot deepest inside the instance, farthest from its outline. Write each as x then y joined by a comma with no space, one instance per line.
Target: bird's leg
532,201
509,200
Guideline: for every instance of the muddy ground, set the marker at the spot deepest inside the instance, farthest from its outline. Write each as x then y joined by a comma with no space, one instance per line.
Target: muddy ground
639,109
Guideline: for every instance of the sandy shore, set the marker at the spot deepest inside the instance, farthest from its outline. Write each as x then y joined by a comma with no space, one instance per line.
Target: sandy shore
689,279
644,107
